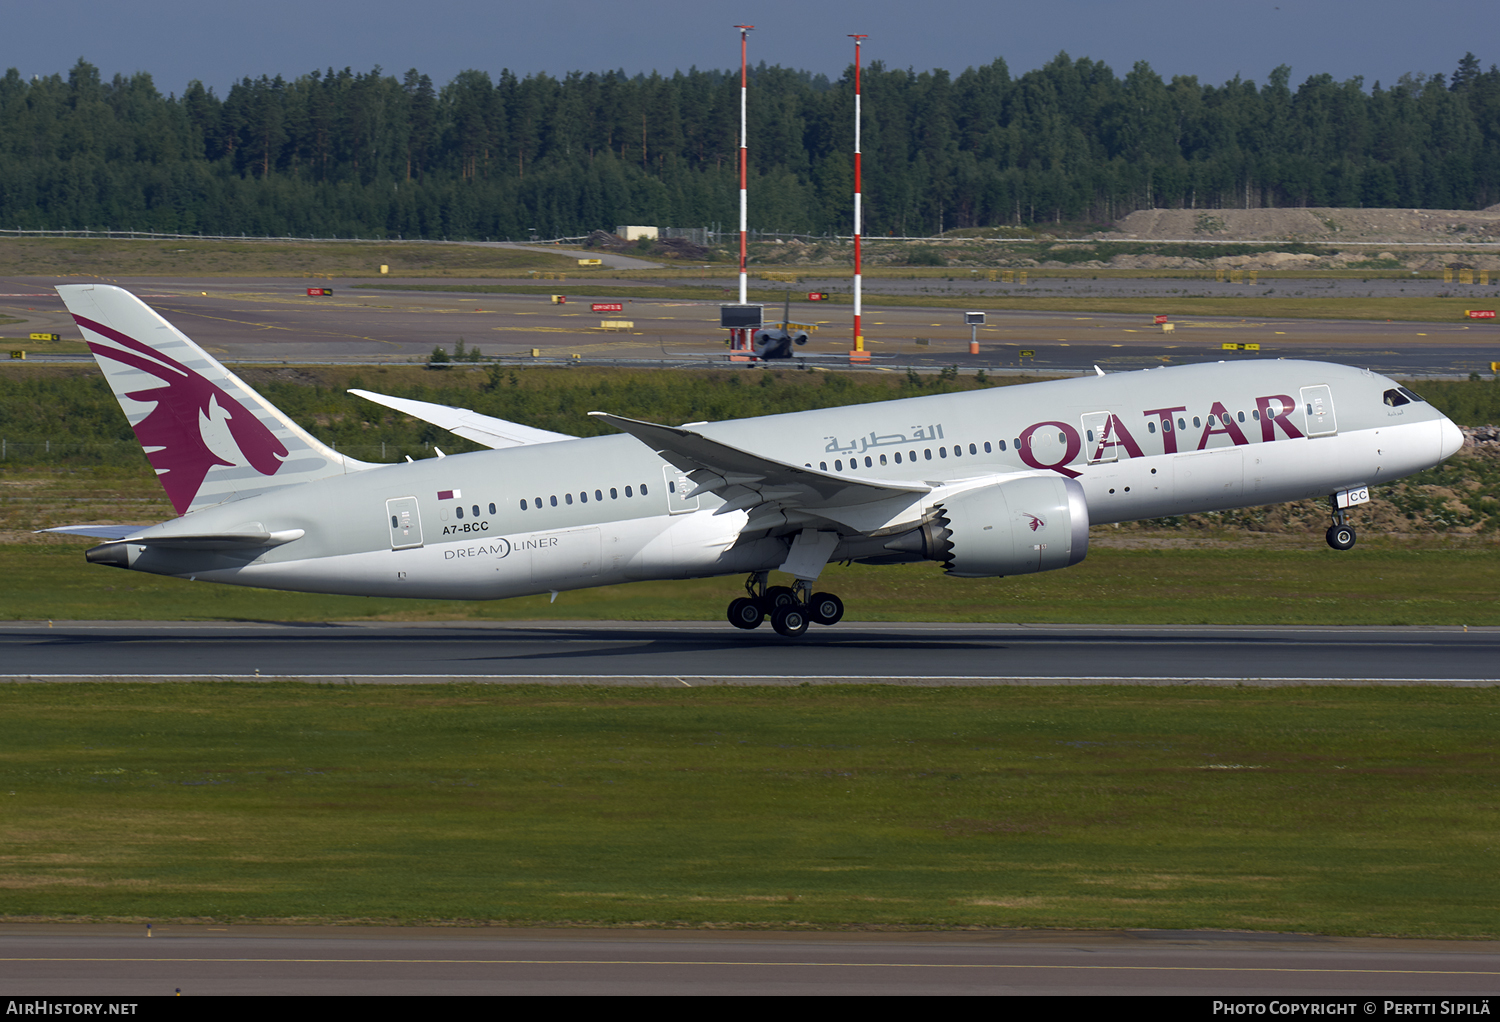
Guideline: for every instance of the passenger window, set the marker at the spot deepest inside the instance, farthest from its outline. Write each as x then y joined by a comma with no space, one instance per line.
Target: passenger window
1091,436
568,497
942,452
394,523
554,500
598,494
1002,445
882,459
643,490
459,511
975,450
927,453
476,510
584,497
958,451
671,487
911,455
1255,414
822,466
1181,423
898,457
614,494
1242,416
539,503
868,462
523,503
839,465
987,447
492,509
1196,422
628,493
1151,427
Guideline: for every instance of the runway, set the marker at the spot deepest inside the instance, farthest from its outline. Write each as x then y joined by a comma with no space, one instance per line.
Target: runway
261,319
116,961
691,653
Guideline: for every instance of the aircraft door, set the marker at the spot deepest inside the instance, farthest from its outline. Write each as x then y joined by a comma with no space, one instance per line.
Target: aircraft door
1098,444
1317,408
678,487
405,522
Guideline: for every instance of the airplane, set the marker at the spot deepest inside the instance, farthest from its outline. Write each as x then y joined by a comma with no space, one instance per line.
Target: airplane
776,341
988,483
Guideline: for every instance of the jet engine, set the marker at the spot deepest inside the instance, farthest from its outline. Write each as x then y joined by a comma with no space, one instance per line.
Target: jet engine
777,343
1013,528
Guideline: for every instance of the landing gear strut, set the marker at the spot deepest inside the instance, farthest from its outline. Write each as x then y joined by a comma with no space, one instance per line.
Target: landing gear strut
1341,535
790,608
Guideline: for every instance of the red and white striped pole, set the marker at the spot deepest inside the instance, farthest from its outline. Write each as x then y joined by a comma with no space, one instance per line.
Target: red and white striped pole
744,153
858,354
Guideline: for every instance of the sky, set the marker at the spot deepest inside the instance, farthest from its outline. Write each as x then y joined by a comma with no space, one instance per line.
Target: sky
218,44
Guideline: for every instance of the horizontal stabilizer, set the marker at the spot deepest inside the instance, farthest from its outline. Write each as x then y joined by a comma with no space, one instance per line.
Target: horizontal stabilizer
482,429
98,531
740,475
130,534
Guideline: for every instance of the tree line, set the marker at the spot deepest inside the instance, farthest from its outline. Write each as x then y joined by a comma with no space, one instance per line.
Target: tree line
371,155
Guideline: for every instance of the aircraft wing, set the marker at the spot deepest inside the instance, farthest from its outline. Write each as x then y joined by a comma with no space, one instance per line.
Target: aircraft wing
482,429
746,479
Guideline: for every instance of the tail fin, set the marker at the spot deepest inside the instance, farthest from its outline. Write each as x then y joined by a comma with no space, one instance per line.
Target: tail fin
209,436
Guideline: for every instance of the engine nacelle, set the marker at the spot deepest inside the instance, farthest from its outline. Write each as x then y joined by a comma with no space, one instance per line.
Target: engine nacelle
776,343
1013,528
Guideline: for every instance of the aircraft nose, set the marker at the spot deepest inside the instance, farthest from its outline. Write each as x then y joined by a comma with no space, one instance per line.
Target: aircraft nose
1452,439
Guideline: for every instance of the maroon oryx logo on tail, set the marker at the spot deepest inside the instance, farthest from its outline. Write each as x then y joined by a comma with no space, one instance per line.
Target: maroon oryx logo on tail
172,433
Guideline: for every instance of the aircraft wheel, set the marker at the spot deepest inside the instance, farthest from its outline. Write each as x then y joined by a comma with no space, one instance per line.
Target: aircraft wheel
777,596
1341,537
825,609
790,620
745,613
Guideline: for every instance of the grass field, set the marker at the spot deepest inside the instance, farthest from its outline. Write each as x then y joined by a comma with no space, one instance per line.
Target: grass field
107,259
1378,583
1340,810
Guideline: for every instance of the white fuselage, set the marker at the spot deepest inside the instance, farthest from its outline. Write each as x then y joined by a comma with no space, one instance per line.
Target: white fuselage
603,510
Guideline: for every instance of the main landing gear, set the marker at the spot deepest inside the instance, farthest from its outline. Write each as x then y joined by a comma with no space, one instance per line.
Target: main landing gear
1340,534
790,608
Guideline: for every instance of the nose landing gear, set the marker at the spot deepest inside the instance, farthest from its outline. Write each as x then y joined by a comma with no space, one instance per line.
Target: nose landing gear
790,608
1340,535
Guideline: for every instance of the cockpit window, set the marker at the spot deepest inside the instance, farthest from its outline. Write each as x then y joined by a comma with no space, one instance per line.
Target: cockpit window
1396,399
1411,396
